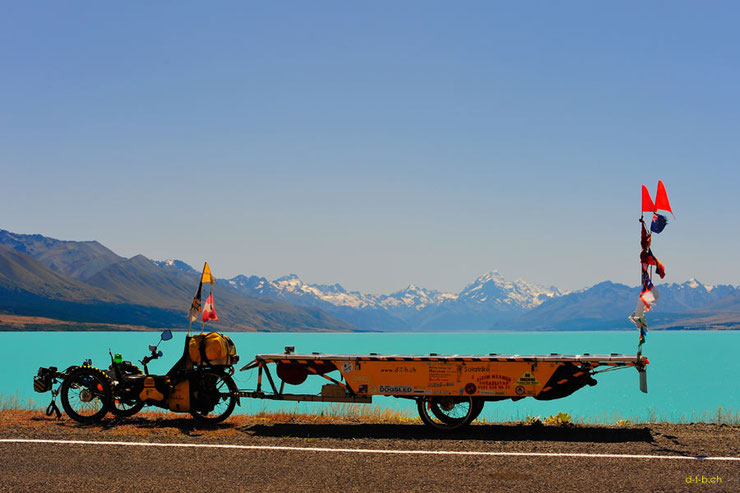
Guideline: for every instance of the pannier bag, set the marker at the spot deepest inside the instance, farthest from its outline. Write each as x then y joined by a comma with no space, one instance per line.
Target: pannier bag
212,349
42,382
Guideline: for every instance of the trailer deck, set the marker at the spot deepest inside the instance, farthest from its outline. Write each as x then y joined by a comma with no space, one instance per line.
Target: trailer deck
450,389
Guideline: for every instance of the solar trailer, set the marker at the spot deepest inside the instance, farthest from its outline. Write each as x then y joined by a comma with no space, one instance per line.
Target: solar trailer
450,390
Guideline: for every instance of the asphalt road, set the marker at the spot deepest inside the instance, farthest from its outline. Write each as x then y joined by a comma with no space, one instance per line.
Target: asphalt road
43,467
115,467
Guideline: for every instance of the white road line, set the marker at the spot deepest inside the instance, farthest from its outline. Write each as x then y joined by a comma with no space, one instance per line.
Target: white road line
364,451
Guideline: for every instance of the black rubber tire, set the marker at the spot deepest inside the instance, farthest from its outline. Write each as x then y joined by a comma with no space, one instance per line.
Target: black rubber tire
437,412
209,381
87,388
123,409
477,408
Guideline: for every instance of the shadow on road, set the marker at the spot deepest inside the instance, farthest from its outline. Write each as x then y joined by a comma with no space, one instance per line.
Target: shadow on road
506,433
477,432
186,426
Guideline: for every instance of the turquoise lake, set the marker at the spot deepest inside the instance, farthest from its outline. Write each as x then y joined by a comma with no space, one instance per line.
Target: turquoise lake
690,374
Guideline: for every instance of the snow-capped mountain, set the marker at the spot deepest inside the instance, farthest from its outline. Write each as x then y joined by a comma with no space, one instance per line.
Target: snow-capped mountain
690,294
490,297
602,307
492,288
176,266
414,297
490,301
292,289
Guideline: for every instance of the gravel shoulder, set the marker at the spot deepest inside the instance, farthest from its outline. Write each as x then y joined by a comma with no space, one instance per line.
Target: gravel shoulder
55,467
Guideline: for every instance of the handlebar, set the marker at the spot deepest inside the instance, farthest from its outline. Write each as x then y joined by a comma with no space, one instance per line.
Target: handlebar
152,356
166,336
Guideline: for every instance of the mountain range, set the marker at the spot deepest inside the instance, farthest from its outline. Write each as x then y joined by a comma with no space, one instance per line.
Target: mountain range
85,282
492,302
487,300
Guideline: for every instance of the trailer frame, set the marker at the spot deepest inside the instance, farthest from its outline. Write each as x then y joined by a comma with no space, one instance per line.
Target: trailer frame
447,408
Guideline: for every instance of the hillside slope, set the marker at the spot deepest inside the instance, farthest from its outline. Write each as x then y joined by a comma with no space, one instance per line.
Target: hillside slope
137,291
75,259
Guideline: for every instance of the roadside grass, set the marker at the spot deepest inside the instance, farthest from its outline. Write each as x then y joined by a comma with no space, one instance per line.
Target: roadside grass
15,402
337,412
374,414
720,416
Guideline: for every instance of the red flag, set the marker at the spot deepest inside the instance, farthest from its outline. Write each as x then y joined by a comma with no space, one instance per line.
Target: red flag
647,202
661,199
209,311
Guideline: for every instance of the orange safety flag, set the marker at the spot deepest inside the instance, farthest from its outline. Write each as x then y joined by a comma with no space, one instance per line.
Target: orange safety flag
661,199
207,276
647,202
209,311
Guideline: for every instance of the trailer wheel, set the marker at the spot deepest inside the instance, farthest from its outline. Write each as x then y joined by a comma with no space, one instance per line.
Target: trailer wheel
478,407
447,413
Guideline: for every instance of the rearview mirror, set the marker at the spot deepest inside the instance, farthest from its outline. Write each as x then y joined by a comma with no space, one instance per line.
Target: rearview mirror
167,335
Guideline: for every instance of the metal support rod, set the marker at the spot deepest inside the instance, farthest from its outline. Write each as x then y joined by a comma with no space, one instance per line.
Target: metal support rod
269,378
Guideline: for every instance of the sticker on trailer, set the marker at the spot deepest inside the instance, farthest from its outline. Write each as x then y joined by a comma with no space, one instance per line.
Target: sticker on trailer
347,367
493,381
527,379
392,389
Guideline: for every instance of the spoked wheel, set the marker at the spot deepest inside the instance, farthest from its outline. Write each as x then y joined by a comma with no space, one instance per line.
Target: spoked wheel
86,395
125,402
213,396
125,407
447,413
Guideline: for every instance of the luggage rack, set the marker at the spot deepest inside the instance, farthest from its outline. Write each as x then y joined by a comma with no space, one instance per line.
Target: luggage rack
491,357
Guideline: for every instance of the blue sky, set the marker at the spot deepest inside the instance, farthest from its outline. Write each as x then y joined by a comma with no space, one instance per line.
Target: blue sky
377,144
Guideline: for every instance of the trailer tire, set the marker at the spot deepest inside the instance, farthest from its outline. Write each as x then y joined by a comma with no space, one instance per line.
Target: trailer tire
478,404
447,413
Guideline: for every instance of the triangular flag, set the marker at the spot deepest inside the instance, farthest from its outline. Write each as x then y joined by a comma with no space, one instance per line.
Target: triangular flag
647,202
209,311
661,199
207,277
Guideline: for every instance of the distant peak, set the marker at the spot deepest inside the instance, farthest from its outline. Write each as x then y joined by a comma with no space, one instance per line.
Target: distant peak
139,257
176,264
693,283
289,277
493,275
